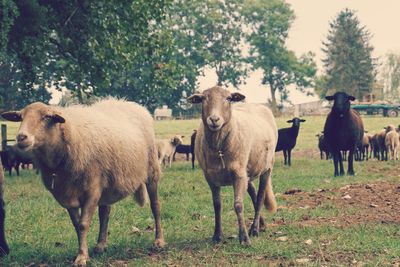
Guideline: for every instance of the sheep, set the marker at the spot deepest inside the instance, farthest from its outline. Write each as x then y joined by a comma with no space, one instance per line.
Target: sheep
374,143
4,250
17,156
192,145
93,156
166,149
182,149
381,136
343,130
392,141
234,146
322,145
287,139
362,148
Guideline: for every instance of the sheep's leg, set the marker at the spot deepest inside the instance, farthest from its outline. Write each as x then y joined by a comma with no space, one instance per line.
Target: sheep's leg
240,187
255,227
340,159
350,169
4,250
215,190
251,189
88,209
170,161
74,215
290,157
104,216
336,155
151,186
192,159
285,156
173,157
187,156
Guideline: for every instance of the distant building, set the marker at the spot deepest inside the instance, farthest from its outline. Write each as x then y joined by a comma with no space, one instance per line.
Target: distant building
163,113
310,108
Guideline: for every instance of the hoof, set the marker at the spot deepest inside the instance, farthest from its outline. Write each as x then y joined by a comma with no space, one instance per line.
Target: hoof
350,173
159,243
253,231
217,238
99,249
245,242
81,260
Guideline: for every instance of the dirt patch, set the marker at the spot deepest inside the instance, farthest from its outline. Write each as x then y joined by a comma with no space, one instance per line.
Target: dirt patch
357,203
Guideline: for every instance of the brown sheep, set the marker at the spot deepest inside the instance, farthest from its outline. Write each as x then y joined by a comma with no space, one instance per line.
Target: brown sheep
93,156
166,149
4,250
234,146
392,142
380,138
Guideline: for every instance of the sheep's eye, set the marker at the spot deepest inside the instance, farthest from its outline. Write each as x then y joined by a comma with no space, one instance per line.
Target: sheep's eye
228,99
46,118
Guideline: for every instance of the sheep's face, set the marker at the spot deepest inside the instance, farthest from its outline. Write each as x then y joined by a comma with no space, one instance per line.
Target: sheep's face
341,103
38,122
216,106
177,140
296,121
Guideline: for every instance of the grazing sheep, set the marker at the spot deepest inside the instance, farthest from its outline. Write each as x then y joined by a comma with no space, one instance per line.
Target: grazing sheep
323,146
192,145
287,139
166,149
392,141
343,130
4,250
93,156
234,146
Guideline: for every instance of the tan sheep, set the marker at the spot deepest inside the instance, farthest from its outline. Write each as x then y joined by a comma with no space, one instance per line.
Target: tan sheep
392,141
93,156
235,145
166,149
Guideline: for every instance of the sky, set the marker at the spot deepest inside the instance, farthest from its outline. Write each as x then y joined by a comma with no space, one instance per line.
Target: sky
310,29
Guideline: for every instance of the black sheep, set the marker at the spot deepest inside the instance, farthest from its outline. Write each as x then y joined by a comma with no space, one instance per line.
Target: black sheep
343,131
4,250
183,149
192,142
287,139
323,146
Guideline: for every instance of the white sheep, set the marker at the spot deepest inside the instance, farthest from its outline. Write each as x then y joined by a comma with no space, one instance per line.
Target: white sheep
166,149
93,156
234,146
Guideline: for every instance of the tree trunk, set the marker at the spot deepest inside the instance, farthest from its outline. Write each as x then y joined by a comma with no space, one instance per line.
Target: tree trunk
274,106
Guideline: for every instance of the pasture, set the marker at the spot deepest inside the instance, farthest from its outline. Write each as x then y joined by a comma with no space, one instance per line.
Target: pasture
321,220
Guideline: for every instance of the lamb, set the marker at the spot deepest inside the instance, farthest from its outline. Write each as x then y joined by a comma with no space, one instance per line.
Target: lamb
4,250
362,148
182,149
234,146
166,149
381,137
287,139
392,141
343,130
93,156
322,145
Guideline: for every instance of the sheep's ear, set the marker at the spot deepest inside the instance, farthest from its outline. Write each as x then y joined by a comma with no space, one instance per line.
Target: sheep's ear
57,118
330,97
236,97
289,121
196,98
351,98
12,115
302,120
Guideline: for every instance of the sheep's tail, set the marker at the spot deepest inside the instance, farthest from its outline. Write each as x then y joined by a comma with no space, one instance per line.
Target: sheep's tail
269,200
141,196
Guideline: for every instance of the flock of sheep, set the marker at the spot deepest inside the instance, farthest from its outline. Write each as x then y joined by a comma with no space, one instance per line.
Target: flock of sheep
94,156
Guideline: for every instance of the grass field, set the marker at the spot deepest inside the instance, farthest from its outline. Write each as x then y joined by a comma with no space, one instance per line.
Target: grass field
314,227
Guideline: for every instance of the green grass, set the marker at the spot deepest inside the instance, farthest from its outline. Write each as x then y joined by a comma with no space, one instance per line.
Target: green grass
39,230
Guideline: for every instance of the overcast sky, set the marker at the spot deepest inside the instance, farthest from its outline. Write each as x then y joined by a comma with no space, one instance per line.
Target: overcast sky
311,26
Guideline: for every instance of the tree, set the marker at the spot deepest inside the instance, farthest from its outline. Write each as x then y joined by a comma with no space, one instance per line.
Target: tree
391,76
348,62
268,23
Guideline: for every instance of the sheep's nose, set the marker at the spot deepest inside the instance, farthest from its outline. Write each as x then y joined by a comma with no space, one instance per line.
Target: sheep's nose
21,137
214,119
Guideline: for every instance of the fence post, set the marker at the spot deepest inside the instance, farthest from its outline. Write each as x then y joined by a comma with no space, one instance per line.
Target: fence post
3,136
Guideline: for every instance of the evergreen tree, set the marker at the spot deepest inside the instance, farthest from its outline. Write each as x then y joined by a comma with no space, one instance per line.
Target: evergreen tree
348,62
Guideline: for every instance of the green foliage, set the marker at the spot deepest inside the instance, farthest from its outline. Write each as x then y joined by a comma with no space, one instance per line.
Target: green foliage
391,76
268,24
349,65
